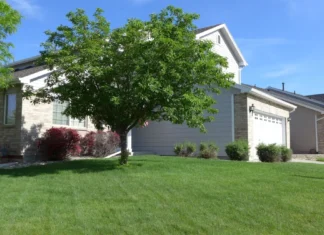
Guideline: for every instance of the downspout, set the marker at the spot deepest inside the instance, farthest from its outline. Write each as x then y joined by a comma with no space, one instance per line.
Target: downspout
316,131
233,117
316,136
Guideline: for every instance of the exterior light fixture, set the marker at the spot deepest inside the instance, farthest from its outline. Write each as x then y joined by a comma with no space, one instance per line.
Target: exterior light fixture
251,108
289,119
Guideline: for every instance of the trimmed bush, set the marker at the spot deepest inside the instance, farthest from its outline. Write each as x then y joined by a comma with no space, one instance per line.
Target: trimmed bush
185,149
59,143
286,154
99,144
208,150
238,150
268,153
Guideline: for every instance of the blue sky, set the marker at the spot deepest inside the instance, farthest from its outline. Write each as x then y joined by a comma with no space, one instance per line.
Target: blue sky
280,39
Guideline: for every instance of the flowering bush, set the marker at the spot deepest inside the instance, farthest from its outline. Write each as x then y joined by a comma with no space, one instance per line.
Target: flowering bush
59,143
99,144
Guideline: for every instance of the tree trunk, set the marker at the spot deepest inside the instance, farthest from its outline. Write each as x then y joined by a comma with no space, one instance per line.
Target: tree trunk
123,145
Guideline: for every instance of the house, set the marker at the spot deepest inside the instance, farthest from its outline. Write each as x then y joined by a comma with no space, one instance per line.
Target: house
307,121
244,111
24,122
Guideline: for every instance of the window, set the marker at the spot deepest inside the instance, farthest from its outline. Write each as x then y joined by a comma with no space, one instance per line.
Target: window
219,39
60,119
76,122
10,109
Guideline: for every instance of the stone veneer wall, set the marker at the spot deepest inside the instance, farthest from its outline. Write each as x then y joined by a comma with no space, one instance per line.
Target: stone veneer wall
10,137
270,108
243,119
240,116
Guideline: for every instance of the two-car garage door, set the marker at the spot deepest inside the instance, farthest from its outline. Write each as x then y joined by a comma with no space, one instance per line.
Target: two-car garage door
268,130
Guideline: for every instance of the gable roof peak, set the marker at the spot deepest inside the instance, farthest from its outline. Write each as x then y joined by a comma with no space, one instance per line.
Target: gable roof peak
200,30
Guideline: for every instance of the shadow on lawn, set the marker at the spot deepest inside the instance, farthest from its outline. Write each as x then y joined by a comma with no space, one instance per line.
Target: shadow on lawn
79,167
309,177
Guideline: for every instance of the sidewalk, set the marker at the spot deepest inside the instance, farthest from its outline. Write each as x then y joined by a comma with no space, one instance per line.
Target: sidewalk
307,161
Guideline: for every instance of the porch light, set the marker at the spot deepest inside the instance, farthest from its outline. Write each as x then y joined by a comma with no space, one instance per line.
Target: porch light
289,119
251,108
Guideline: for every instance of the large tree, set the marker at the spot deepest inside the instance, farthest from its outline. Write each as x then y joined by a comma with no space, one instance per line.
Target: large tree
9,20
145,70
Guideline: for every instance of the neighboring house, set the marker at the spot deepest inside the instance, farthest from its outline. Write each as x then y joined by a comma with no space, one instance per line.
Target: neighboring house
24,122
244,112
307,122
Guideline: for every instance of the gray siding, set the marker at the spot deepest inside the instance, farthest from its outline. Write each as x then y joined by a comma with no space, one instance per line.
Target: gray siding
160,137
302,132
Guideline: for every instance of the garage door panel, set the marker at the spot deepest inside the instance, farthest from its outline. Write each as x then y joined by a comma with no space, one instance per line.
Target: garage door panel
267,129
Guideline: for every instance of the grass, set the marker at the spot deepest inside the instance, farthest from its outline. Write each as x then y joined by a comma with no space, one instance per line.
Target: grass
320,159
163,195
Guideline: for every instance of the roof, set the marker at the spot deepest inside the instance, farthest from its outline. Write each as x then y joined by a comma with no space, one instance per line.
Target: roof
298,99
23,61
259,92
318,97
200,30
28,71
32,68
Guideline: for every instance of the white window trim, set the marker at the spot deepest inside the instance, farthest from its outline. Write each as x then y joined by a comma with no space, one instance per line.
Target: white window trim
5,108
85,127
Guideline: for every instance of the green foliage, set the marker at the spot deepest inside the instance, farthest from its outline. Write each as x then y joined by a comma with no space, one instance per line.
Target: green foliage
285,153
145,70
208,150
185,149
9,20
238,150
268,153
320,159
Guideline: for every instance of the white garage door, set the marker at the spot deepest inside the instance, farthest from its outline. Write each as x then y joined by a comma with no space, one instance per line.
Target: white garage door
268,130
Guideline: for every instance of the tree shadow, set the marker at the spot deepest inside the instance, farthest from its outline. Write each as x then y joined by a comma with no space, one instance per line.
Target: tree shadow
78,167
29,140
309,177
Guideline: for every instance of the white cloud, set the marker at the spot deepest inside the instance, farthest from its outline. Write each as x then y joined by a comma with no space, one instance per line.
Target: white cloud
284,70
27,8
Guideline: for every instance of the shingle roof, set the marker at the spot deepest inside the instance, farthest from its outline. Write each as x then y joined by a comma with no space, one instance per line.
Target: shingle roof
34,69
28,71
319,97
319,104
23,61
197,31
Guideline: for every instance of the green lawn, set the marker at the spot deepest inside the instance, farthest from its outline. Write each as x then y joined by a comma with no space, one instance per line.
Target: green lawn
163,195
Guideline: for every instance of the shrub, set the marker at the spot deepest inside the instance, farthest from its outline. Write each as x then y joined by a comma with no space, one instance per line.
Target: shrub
87,144
285,153
208,150
185,149
59,143
238,150
268,153
320,159
99,144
